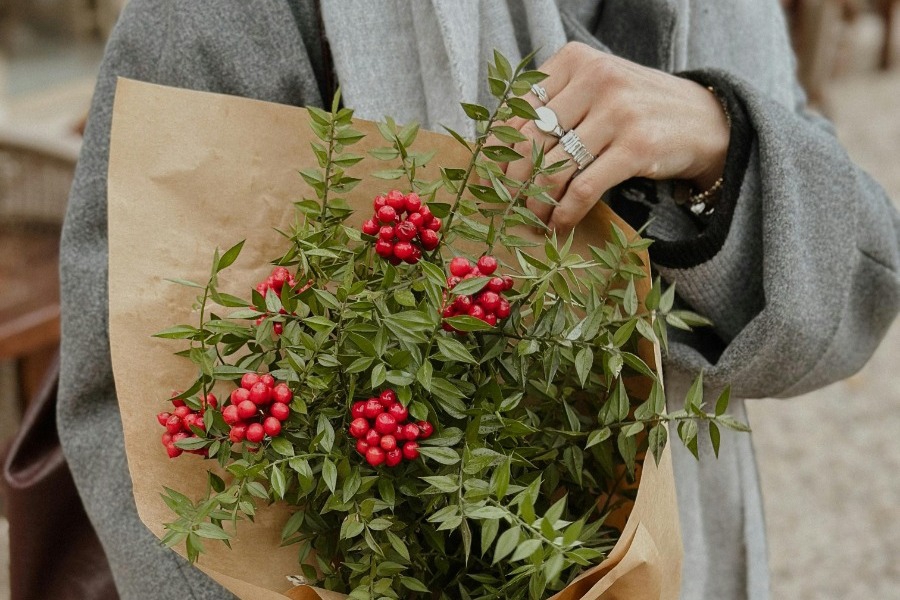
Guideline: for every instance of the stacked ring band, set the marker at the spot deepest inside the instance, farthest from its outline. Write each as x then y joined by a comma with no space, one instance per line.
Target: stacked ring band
540,92
573,146
548,122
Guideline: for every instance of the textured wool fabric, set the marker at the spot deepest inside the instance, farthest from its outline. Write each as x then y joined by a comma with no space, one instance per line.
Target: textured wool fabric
419,60
802,288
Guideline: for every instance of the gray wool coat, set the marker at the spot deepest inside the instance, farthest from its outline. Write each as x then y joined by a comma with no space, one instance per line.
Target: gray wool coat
801,291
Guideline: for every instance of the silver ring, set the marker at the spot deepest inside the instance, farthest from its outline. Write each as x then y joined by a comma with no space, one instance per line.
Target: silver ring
548,122
540,92
573,146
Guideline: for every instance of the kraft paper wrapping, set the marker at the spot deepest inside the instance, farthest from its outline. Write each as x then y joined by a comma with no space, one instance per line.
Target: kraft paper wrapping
192,171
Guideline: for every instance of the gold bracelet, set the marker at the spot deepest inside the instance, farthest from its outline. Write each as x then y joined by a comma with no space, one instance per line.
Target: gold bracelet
703,203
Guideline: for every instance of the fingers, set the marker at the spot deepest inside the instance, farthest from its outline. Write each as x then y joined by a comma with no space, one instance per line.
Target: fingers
611,167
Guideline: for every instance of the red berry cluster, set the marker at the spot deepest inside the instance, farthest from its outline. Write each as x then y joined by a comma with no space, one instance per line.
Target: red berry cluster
379,426
257,408
402,239
279,277
488,304
178,424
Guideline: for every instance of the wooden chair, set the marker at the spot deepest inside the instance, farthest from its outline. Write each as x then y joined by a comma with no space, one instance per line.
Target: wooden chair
34,186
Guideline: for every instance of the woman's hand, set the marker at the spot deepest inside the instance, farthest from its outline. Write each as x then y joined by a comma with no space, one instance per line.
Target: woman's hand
636,121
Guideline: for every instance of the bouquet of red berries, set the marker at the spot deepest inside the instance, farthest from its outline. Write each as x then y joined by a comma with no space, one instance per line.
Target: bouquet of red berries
443,400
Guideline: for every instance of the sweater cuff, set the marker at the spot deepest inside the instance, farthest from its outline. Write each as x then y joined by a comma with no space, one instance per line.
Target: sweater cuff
633,199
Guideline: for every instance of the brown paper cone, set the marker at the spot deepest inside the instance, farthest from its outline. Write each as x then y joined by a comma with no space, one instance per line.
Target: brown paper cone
192,171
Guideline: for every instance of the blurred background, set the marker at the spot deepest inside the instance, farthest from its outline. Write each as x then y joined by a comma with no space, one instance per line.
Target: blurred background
829,462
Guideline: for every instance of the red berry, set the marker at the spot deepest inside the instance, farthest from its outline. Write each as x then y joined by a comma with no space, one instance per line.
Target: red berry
395,261
429,239
375,456
248,380
387,398
396,200
262,288
359,428
386,233
270,283
199,423
435,224
406,231
182,411
450,311
496,284
411,431
277,328
173,451
387,214
267,378
230,414
388,442
162,418
255,433
453,281
260,393
394,457
416,219
379,202
448,327
280,411
272,426
384,248
385,423
173,424
237,434
362,447
399,412
416,256
460,266
487,265
189,420
358,409
280,276
489,301
490,319
211,400
246,409
476,311
239,395
503,308
370,227
426,215
508,282
373,438
413,202
400,433
425,428
373,408
462,303
410,451
403,250
282,393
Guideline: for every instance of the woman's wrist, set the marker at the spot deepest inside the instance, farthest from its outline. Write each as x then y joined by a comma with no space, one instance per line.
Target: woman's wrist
712,141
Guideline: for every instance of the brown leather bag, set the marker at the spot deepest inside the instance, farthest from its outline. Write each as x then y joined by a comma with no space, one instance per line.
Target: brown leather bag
53,549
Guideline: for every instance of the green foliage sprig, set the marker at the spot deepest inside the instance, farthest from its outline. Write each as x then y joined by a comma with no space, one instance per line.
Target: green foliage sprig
534,420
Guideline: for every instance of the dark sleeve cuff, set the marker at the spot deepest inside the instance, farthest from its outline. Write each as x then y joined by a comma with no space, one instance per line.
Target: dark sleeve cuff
712,230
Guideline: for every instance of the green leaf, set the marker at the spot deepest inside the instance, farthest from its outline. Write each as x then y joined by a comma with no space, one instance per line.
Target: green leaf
230,256
630,302
179,332
278,482
715,437
521,108
501,153
329,474
475,111
282,446
185,282
584,361
454,350
508,135
722,402
467,323
694,398
597,436
657,440
212,532
424,374
470,286
507,542
525,549
443,455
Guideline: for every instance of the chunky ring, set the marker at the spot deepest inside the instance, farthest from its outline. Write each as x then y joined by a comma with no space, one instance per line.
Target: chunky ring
540,92
548,122
571,143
